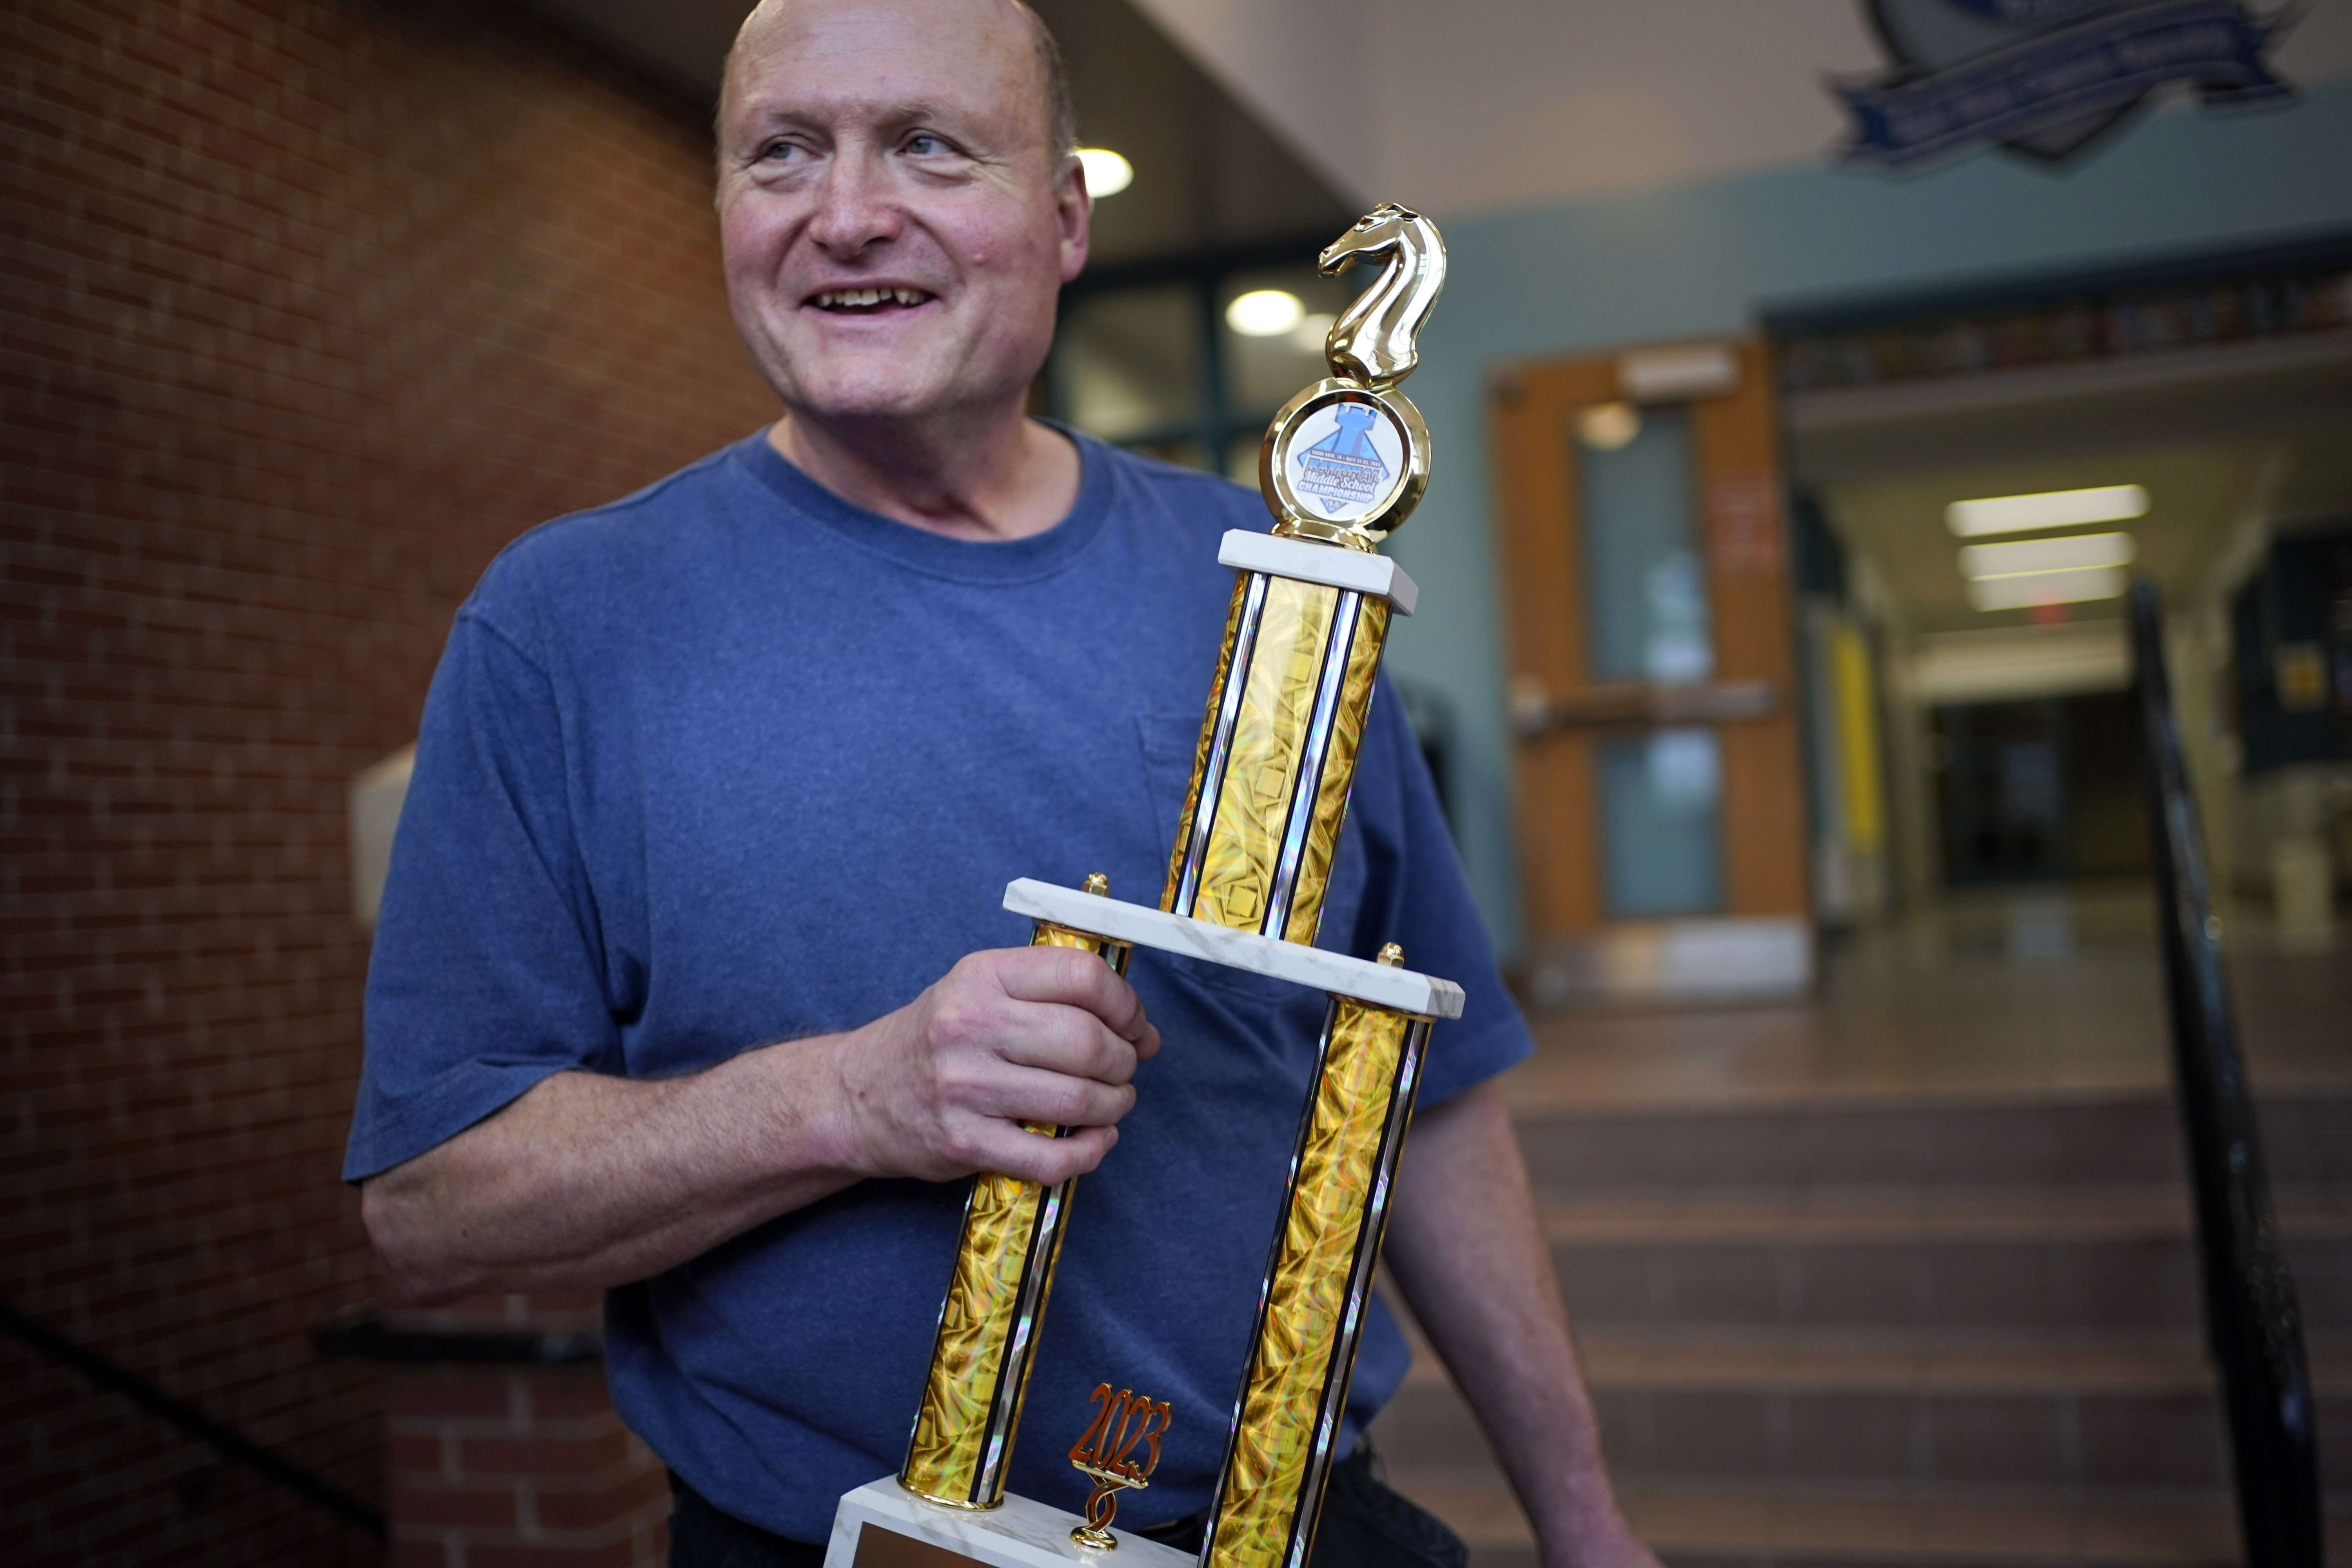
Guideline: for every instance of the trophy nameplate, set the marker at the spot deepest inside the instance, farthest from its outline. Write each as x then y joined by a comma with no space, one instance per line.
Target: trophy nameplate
1342,466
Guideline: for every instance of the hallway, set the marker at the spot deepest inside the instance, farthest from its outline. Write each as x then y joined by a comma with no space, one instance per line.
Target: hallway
1903,1276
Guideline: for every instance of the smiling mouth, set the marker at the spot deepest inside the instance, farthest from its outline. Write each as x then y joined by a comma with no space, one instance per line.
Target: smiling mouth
867,301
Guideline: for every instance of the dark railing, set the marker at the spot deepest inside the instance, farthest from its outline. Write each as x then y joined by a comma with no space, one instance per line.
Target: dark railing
233,1445
366,1334
2250,1316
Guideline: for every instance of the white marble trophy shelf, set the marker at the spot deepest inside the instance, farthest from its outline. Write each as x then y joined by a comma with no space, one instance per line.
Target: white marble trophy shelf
1333,565
1401,989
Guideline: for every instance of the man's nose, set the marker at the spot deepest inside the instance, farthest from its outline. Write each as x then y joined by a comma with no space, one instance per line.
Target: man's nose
856,205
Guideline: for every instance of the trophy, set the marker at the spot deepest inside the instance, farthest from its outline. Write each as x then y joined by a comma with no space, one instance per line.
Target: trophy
1342,466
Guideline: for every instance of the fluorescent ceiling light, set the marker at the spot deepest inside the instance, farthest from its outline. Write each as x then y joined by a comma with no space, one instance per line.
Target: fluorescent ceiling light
2046,588
2050,509
2066,553
1108,173
1266,313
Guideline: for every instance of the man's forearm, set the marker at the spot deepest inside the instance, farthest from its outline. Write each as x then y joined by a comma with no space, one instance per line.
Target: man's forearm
1464,1244
588,1182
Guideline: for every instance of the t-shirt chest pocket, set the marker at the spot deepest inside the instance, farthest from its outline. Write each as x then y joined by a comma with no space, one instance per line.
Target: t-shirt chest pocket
1170,742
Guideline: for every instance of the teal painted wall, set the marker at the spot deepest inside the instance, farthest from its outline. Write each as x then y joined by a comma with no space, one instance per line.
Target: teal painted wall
1655,264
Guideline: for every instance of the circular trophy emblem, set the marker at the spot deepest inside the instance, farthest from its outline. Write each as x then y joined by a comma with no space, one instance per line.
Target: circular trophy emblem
1344,463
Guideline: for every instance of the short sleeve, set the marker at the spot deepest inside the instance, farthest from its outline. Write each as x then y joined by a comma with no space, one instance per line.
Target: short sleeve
1416,895
485,977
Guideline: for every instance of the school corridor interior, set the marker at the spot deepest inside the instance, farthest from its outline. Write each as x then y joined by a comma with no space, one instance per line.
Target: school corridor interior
1805,527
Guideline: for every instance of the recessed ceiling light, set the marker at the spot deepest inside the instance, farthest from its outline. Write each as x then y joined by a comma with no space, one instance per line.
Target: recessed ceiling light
1265,312
2049,508
2066,553
1108,173
2046,588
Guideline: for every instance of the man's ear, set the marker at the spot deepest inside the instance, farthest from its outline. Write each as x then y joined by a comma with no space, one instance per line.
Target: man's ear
1073,215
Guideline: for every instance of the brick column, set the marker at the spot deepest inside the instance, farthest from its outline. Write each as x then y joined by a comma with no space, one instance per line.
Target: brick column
503,1448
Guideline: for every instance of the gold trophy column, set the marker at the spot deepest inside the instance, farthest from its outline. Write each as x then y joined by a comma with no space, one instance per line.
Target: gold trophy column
1342,466
963,1444
1318,1280
1277,753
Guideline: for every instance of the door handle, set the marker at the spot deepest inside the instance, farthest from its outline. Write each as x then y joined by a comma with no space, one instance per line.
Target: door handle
1639,704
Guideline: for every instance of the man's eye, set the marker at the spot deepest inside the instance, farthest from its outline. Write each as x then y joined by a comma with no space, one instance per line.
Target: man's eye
779,152
925,146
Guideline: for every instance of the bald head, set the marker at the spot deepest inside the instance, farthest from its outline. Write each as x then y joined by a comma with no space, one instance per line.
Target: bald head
1049,86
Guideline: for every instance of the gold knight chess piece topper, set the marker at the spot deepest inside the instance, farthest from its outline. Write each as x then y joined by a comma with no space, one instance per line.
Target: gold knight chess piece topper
1348,459
1104,1454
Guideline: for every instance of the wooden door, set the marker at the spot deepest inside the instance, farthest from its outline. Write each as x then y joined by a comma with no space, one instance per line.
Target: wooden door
1726,695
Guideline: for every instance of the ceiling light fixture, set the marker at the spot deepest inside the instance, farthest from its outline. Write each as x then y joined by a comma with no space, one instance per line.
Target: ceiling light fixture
2047,508
1608,426
2023,593
1108,173
2065,552
1265,312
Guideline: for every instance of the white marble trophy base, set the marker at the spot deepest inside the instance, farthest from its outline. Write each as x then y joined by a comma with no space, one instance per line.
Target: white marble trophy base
883,1525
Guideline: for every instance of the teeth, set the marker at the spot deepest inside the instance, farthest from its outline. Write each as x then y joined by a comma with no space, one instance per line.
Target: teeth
850,298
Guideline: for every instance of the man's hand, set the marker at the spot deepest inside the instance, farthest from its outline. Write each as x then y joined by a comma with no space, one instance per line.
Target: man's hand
944,1086
591,1181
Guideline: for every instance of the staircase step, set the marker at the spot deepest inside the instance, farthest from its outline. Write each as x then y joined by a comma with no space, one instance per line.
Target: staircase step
1839,1361
1803,1527
2058,1262
2048,1420
2040,1139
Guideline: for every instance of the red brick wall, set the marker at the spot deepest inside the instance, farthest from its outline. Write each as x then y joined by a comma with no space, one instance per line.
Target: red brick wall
518,1468
306,307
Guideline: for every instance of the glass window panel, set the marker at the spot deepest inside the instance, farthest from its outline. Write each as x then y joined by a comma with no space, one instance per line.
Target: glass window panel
1644,588
1262,373
1127,364
1662,824
1646,619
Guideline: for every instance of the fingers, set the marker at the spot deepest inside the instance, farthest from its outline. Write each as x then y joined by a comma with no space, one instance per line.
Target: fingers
1073,979
1020,1094
944,1086
1057,1008
974,1039
1064,1040
1048,1161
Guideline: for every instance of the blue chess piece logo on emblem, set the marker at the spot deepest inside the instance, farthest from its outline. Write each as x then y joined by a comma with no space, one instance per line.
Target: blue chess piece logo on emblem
1343,471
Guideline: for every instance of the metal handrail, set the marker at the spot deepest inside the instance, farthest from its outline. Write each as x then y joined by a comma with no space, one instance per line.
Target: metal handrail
2251,1321
233,1445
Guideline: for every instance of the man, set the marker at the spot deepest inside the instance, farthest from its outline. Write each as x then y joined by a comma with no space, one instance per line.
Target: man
691,983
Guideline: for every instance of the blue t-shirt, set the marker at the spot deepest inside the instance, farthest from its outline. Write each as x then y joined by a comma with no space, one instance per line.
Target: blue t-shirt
731,761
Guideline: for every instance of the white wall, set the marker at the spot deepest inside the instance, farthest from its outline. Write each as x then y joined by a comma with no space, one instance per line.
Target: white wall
1474,106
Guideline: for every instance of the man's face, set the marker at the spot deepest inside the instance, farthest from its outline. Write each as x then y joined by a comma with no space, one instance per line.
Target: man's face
896,227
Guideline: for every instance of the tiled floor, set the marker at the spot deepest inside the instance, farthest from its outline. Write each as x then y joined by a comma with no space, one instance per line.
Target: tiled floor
2017,992
1902,1275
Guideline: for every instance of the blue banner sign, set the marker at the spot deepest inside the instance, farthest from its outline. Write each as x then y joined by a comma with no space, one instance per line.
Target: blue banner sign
2064,70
